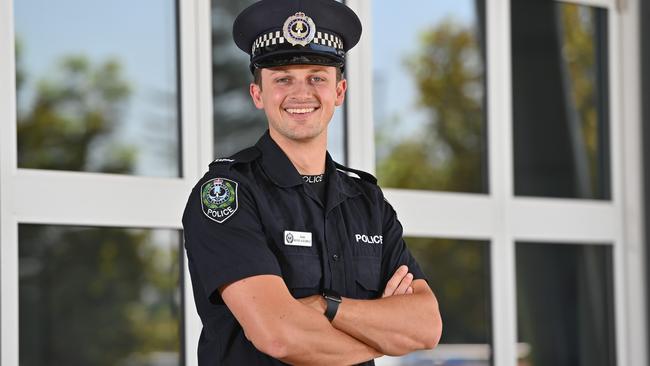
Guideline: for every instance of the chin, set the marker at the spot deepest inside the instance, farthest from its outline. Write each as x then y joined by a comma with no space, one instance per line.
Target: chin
304,135
301,133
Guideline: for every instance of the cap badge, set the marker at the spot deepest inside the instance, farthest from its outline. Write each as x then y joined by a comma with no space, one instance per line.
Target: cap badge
299,29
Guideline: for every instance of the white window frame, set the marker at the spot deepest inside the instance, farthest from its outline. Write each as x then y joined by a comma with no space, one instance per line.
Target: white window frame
503,219
135,202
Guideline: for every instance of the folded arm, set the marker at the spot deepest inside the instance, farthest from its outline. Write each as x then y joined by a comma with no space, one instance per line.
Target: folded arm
284,328
394,325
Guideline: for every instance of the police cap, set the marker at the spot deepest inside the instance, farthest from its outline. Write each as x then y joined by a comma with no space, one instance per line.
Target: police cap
289,32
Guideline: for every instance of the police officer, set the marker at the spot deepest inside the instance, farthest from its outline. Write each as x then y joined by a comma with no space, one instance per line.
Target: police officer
293,260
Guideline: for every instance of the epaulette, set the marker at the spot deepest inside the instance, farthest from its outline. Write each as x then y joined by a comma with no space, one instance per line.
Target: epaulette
244,156
363,175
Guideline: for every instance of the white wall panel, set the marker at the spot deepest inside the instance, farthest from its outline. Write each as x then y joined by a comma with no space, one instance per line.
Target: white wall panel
445,215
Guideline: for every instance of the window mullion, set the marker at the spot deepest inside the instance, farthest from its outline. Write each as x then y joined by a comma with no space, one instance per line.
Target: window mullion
360,123
499,91
8,163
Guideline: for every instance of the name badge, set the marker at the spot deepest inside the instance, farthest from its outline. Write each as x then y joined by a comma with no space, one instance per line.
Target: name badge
297,238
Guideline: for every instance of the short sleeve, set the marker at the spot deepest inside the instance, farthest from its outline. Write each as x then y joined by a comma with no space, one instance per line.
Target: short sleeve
222,253
395,252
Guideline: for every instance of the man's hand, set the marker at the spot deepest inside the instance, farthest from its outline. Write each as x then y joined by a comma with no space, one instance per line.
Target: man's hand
400,283
282,328
392,325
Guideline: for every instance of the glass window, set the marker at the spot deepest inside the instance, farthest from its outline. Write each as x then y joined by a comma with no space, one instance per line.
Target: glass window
429,95
237,123
97,86
565,304
459,274
560,100
99,296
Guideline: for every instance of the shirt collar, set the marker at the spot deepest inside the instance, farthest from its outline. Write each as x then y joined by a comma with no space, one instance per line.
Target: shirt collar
281,171
338,182
276,164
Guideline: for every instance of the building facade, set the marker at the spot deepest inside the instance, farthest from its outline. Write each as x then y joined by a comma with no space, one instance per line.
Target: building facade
508,135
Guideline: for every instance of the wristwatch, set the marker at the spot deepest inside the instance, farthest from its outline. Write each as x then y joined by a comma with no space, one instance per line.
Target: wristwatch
333,300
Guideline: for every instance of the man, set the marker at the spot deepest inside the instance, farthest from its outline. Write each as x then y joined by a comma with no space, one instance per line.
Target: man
292,260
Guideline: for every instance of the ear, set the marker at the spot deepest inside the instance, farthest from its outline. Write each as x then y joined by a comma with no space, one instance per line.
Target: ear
256,95
341,87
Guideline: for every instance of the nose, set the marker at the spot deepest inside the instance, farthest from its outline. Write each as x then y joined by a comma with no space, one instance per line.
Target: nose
302,89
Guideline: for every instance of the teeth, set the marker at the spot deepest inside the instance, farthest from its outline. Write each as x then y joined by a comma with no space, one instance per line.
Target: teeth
300,110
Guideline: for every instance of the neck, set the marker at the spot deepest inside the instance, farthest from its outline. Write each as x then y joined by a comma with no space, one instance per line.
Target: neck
308,157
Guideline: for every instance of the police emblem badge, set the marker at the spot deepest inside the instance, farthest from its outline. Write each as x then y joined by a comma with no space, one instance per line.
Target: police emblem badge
219,199
299,29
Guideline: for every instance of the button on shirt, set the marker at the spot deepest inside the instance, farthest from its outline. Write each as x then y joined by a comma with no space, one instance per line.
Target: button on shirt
352,243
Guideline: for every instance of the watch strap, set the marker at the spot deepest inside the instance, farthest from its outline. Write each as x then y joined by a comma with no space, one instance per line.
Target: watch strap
333,299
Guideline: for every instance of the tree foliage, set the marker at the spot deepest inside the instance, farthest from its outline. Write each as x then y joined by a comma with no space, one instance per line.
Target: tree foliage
447,152
237,123
94,296
580,55
72,115
458,273
88,296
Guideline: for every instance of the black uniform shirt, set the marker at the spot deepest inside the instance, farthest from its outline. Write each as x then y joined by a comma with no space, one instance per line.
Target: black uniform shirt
356,240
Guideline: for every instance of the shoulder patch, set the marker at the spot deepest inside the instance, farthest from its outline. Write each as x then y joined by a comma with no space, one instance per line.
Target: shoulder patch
360,173
219,199
223,160
244,156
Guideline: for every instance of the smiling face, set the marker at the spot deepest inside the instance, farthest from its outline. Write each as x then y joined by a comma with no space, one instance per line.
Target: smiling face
299,100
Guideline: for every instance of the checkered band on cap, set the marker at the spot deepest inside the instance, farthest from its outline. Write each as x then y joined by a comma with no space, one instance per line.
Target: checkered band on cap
273,38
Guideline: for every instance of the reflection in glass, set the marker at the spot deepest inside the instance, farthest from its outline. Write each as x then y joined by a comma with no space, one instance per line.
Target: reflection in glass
459,274
237,123
565,304
429,95
97,86
560,100
99,296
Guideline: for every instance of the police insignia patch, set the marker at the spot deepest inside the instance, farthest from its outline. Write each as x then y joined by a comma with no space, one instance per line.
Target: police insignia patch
219,199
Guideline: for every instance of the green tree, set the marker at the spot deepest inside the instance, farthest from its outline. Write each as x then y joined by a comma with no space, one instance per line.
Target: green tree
577,33
71,115
459,272
95,296
447,153
237,123
20,73
88,296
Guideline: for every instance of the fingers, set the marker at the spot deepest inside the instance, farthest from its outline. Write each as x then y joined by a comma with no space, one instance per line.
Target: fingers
394,281
399,283
404,285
